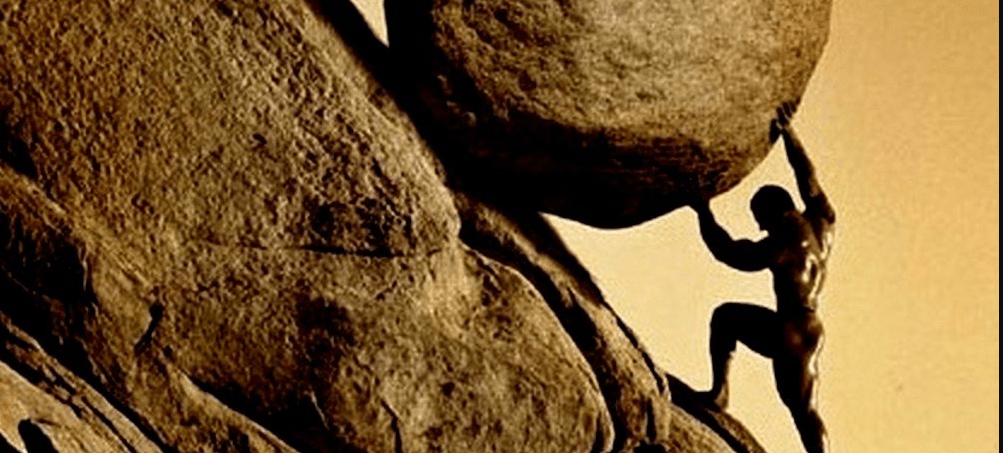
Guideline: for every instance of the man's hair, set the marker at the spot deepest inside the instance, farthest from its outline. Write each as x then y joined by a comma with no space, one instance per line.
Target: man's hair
771,200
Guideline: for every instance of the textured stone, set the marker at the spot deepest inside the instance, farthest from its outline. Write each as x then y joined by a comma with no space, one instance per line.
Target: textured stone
636,393
46,405
211,215
711,418
610,112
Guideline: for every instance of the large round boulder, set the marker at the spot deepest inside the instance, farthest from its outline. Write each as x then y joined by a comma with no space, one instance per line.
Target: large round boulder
609,112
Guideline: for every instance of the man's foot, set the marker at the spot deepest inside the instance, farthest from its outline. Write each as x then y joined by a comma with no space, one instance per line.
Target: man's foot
715,399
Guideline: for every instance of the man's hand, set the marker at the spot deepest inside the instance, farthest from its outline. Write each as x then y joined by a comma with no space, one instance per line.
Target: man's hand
779,126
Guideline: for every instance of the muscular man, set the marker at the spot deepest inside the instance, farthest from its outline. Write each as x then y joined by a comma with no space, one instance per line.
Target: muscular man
795,251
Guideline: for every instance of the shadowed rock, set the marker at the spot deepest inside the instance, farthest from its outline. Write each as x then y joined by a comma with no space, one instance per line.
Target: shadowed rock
44,402
35,439
729,429
634,389
608,112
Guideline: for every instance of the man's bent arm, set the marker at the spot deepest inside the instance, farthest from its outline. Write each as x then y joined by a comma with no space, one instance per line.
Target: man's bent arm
743,255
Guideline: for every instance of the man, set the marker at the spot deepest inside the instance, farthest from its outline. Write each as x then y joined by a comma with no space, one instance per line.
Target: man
795,251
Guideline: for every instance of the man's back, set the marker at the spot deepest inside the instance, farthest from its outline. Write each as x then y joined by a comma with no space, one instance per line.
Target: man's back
799,264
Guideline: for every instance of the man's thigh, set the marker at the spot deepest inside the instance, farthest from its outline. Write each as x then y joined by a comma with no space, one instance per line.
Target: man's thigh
795,363
755,326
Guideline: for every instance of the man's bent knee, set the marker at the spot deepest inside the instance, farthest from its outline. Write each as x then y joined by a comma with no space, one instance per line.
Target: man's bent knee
722,328
725,317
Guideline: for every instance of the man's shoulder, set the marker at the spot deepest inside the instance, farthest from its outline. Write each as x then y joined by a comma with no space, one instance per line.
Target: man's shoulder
820,211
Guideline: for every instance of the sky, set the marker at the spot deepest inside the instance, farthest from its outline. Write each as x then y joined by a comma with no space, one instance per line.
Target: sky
901,119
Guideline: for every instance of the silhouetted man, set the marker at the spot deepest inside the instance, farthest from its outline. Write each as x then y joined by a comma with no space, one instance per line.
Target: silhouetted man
795,251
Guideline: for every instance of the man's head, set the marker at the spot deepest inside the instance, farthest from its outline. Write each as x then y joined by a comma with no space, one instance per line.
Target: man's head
769,204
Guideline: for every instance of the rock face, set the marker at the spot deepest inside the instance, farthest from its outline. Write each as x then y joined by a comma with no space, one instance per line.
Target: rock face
48,408
208,216
609,112
636,393
219,233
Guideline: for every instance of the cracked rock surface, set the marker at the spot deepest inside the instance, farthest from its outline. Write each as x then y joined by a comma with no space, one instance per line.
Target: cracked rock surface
219,233
608,112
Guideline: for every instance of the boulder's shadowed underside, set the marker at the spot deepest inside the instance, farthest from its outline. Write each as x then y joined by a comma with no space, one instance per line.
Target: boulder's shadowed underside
608,112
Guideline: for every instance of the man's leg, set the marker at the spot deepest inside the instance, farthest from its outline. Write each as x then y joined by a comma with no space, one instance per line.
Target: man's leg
755,326
811,429
796,372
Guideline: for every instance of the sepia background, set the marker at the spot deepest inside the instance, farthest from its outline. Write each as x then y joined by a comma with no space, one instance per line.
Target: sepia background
902,121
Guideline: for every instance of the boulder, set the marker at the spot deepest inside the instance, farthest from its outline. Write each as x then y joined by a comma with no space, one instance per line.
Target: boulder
609,112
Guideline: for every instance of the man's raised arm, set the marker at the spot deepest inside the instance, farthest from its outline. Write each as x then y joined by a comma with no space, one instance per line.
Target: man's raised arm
743,255
816,203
